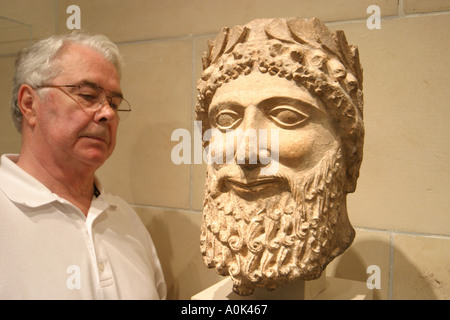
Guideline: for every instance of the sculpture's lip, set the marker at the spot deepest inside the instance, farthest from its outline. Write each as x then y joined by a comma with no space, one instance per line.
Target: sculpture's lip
252,186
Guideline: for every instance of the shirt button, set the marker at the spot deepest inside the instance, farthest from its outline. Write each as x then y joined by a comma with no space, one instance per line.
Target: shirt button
101,267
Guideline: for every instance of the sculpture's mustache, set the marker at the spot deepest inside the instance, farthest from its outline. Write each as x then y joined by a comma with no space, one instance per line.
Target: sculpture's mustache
233,177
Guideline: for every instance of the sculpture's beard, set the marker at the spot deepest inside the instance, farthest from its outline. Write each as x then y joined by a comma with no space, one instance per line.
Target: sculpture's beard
263,240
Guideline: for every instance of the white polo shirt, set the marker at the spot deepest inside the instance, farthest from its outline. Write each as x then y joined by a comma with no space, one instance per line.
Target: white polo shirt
50,250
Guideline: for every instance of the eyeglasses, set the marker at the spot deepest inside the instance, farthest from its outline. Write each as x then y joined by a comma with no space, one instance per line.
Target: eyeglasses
93,97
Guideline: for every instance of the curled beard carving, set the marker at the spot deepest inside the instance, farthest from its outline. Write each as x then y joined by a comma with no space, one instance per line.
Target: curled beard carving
288,235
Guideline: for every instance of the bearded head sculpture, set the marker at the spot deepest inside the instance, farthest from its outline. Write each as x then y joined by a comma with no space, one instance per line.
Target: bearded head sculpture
298,86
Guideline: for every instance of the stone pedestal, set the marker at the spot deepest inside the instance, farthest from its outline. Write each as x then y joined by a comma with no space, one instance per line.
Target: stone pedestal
324,288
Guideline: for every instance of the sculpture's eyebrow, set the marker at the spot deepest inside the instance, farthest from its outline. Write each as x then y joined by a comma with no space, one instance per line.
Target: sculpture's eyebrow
225,104
300,104
303,105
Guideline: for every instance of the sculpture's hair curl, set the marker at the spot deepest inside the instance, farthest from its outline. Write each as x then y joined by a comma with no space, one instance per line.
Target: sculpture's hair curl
304,51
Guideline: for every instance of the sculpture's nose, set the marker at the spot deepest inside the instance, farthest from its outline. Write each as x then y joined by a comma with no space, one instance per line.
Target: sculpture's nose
247,154
252,146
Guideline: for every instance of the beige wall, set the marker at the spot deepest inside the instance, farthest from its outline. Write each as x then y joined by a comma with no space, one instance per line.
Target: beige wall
400,208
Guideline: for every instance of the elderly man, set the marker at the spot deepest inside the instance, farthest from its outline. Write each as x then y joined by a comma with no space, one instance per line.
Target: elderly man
266,223
62,236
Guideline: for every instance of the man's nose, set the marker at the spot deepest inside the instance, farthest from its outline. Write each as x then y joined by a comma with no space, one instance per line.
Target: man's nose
106,112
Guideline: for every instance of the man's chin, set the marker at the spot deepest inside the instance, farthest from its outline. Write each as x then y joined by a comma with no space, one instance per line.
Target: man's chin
94,157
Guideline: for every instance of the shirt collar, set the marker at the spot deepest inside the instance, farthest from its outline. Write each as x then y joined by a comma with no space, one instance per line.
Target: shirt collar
22,188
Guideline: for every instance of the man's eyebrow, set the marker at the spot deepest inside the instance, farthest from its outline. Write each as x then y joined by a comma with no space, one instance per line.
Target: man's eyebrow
94,84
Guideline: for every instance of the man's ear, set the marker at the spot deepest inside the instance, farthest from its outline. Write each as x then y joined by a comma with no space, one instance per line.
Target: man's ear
27,99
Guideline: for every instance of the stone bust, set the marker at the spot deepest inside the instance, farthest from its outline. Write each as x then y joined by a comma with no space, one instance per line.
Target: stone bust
295,78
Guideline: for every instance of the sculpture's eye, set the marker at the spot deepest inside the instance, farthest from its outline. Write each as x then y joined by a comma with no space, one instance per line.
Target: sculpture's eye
287,116
227,119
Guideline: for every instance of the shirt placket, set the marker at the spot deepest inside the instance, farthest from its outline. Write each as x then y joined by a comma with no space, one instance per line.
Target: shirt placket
99,256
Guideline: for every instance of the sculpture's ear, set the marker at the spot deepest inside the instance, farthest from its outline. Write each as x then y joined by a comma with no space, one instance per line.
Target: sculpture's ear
27,99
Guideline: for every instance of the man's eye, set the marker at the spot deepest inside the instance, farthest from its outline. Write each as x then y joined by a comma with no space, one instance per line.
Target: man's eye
87,97
88,93
287,116
114,102
227,119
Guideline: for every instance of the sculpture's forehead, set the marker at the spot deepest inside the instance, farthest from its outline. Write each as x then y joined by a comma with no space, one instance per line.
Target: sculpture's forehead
254,88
